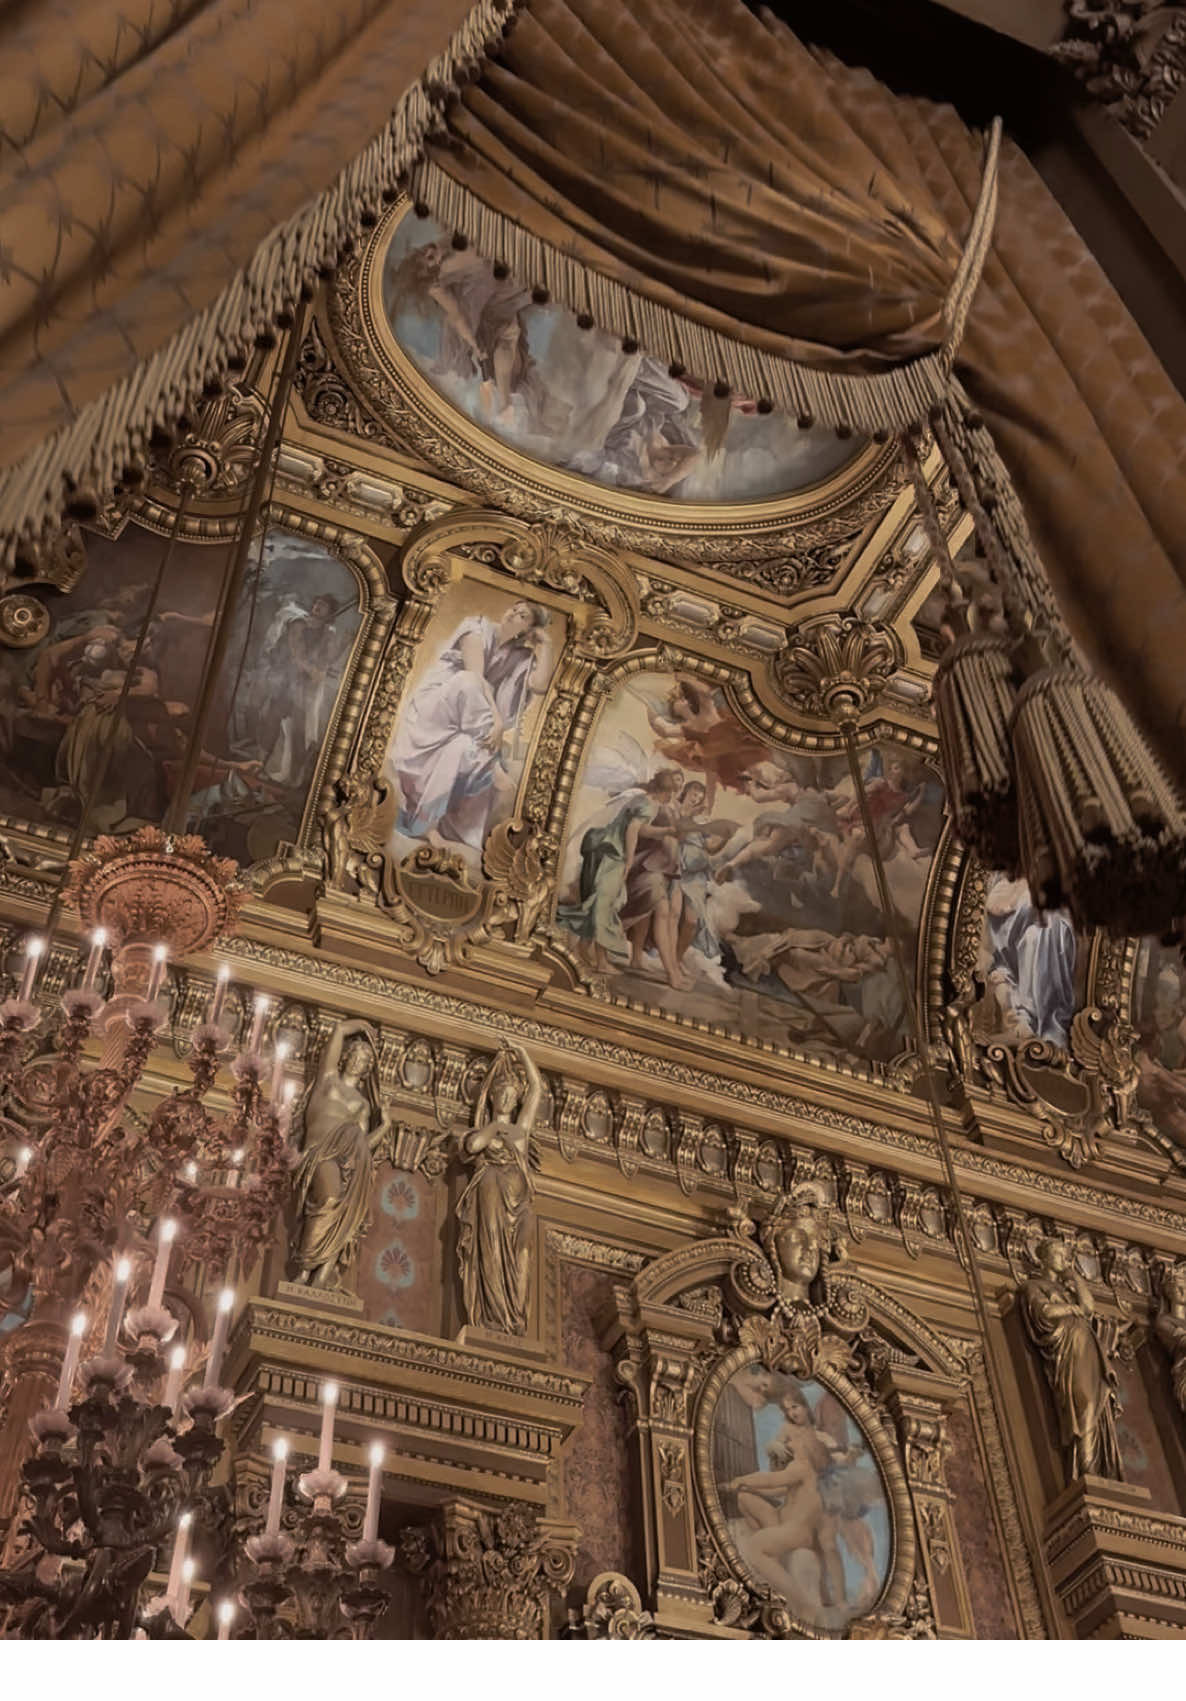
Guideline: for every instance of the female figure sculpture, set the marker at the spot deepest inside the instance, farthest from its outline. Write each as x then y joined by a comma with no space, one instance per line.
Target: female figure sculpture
495,1209
344,1128
1059,1315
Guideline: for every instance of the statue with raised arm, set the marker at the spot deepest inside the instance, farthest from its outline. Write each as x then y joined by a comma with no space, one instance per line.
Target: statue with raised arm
495,1210
344,1128
1059,1315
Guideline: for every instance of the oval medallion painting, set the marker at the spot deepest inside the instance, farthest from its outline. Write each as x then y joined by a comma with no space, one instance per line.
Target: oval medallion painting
573,398
801,1496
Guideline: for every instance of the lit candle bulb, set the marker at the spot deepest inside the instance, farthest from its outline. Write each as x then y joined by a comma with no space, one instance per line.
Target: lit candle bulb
218,996
226,1613
276,1502
119,1295
70,1361
287,1099
329,1401
160,956
370,1527
222,1324
95,959
191,1171
180,1549
259,1016
165,1237
176,1373
279,1059
33,949
23,1159
232,1174
188,1572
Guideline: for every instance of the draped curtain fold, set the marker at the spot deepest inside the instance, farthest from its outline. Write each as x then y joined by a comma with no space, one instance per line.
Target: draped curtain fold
683,172
671,167
172,174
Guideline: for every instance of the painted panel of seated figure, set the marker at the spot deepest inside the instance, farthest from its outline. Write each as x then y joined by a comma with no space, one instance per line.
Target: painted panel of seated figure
801,1495
717,876
463,731
1031,967
64,733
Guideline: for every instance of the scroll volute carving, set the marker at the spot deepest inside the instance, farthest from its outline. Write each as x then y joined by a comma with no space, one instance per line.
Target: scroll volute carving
489,1575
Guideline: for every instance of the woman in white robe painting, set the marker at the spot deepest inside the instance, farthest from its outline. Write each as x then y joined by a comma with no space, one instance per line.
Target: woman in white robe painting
450,743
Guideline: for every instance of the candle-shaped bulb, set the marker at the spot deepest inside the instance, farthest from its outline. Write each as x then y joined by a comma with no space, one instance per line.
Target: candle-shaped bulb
119,1295
259,1016
329,1401
218,997
232,1174
70,1360
94,959
33,949
226,1614
279,1059
176,1372
276,1499
370,1529
188,1573
180,1549
160,956
191,1171
23,1159
222,1324
166,1235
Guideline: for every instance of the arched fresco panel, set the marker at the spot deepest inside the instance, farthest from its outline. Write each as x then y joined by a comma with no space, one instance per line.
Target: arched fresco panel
714,874
575,398
63,731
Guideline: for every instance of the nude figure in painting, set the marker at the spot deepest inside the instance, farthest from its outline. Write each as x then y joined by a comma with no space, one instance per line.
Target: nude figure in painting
784,1507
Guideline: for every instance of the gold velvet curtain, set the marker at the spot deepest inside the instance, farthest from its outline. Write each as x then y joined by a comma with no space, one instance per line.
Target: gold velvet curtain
691,176
172,173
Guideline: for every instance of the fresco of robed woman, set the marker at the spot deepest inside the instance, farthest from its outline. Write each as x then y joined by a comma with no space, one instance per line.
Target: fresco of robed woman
801,1495
459,745
710,873
573,397
1030,966
69,733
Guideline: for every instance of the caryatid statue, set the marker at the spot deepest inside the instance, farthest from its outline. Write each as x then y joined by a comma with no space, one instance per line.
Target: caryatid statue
344,1129
495,1210
1059,1315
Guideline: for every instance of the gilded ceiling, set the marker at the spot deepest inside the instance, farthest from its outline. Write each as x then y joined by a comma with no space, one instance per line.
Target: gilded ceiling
567,742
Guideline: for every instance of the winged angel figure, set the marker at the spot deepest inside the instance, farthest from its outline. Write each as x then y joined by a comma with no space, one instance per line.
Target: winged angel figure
354,830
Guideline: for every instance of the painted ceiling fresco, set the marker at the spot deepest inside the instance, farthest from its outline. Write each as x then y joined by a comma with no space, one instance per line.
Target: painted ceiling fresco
710,873
572,398
64,735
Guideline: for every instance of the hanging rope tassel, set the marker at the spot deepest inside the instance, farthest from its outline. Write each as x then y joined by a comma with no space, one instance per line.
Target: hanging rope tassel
974,698
1102,829
973,692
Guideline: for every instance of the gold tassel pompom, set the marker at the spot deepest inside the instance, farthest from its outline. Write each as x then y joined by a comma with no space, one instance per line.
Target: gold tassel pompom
1102,830
974,697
